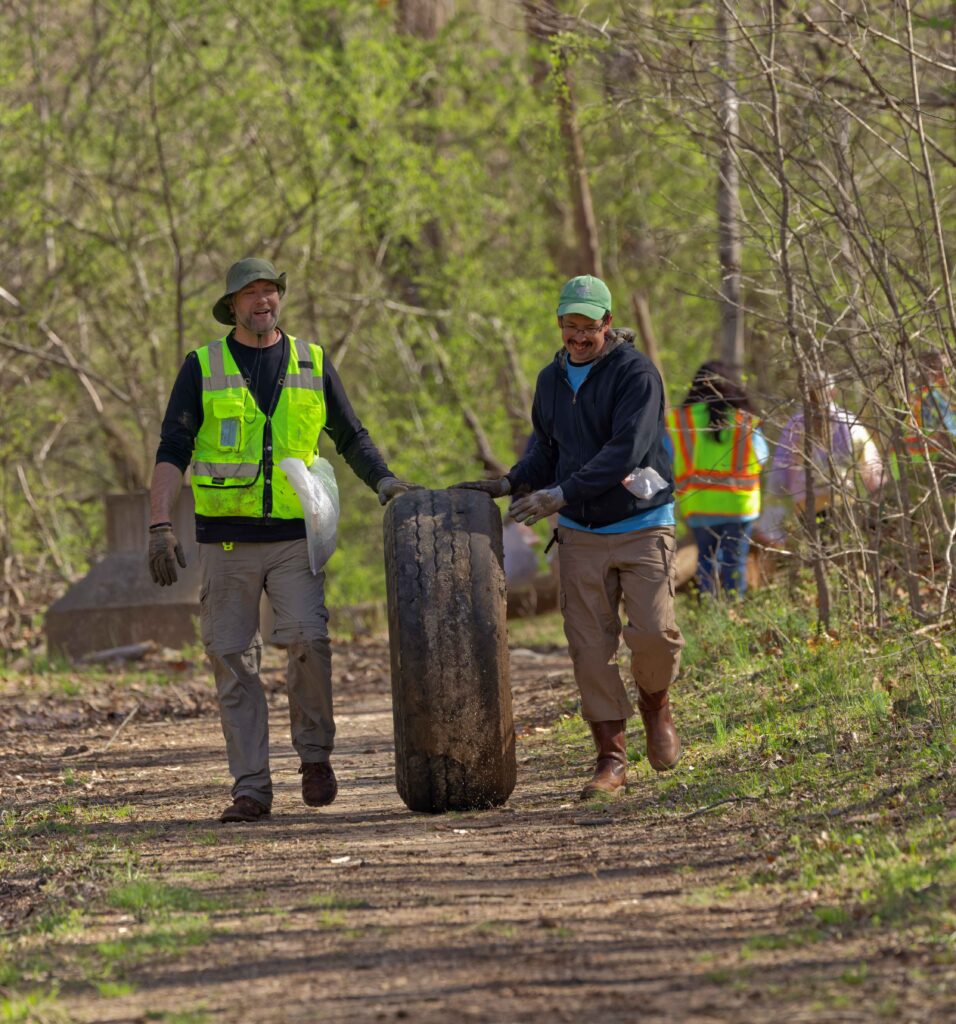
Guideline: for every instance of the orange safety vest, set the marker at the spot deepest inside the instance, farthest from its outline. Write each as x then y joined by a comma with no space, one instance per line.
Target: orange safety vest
714,477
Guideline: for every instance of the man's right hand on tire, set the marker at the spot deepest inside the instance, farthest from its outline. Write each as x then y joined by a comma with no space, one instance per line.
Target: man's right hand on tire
499,488
164,552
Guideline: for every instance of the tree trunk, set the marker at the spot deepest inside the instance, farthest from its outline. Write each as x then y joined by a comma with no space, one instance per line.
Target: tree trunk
728,228
642,317
585,224
423,18
586,255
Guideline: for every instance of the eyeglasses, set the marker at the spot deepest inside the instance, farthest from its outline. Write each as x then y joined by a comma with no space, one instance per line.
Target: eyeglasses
589,332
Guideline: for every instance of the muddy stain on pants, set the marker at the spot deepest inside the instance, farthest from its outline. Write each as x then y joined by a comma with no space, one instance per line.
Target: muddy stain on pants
598,570
232,584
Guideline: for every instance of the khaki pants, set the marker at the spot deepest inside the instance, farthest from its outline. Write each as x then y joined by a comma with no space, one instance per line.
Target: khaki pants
232,584
597,570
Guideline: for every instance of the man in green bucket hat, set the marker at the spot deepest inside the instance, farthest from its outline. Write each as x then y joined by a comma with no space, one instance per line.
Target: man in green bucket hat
240,406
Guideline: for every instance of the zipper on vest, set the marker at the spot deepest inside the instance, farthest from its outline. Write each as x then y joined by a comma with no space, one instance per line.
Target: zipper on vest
267,469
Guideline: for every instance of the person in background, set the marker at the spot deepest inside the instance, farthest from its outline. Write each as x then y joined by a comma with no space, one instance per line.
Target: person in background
600,460
932,417
844,457
718,452
239,407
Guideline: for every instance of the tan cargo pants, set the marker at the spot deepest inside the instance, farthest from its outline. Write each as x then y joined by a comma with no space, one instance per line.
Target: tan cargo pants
597,570
232,583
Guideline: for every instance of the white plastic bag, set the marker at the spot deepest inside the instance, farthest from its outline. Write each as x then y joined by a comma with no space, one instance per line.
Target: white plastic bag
319,494
644,482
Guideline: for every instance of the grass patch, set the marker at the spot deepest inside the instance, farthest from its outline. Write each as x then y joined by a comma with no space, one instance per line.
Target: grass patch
33,1008
115,958
795,939
197,1016
147,897
537,631
114,989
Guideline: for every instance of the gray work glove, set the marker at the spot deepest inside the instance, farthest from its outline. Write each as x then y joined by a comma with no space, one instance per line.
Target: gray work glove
496,488
390,487
163,548
537,505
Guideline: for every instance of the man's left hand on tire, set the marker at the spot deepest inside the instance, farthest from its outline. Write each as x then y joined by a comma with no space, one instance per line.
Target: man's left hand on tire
390,487
537,505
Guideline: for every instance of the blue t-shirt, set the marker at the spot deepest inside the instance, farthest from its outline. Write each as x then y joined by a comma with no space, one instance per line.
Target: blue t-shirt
662,515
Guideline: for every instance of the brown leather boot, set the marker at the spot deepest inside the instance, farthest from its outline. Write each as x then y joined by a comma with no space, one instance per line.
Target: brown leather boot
663,744
610,771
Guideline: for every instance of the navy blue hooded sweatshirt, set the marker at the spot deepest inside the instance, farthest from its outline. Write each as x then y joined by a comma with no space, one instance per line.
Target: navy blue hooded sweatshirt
587,443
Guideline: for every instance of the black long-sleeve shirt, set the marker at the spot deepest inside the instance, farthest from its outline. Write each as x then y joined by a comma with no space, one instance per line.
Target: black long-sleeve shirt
261,368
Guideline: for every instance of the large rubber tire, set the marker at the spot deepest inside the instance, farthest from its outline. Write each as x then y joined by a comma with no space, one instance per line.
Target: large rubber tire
451,691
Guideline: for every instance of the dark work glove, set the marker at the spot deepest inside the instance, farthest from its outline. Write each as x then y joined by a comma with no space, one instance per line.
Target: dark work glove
496,488
537,505
163,548
390,487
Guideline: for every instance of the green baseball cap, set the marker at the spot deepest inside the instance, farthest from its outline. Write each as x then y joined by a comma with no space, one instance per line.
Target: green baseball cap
586,295
240,274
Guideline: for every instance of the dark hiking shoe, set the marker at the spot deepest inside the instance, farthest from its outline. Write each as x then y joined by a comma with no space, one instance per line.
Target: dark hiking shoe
318,783
244,808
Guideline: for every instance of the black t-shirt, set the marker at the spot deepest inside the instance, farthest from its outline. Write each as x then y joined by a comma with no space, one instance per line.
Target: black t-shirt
261,369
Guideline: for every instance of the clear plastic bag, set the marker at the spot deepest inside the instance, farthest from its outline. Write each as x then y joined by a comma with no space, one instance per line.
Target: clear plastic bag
319,495
644,482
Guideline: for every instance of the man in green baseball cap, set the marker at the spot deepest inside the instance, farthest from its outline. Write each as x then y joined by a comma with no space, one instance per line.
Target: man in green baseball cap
240,407
589,296
601,460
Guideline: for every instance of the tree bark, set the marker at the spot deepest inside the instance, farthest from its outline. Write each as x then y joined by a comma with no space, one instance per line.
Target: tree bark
728,201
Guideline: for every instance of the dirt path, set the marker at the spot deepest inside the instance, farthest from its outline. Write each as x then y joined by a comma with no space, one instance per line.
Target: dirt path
544,909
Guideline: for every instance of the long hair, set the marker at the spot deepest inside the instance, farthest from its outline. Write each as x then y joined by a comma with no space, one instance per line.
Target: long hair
715,385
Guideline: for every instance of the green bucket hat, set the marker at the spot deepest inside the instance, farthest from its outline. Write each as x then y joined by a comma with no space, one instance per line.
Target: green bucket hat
586,295
240,274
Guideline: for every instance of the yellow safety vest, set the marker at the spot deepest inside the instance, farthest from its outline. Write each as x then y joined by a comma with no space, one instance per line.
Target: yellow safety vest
714,477
231,473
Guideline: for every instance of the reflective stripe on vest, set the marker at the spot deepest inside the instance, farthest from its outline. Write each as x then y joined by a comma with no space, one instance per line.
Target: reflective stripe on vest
232,475
683,431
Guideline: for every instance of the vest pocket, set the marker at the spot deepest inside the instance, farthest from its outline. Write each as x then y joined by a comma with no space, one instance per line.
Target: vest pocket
229,420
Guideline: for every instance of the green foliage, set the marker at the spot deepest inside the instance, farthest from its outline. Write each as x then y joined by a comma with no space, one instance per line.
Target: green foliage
417,193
